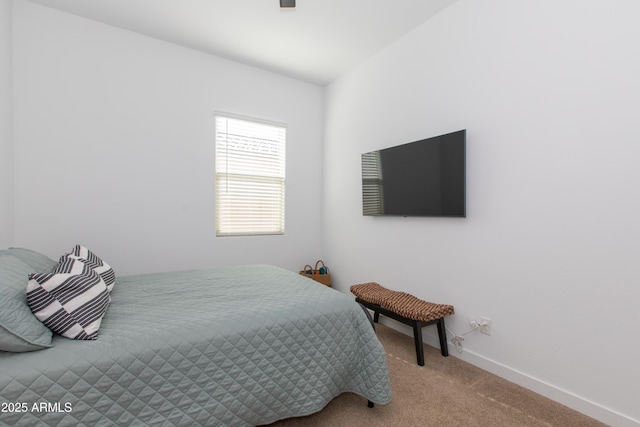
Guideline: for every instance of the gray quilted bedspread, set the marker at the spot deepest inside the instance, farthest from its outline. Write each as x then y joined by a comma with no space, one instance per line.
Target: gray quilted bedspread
242,345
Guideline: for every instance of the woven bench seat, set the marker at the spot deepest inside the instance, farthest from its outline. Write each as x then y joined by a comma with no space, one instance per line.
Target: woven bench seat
401,302
407,309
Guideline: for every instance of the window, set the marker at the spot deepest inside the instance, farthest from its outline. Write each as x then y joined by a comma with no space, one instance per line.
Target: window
250,172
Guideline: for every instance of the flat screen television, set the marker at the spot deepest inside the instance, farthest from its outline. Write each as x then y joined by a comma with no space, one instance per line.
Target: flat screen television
421,178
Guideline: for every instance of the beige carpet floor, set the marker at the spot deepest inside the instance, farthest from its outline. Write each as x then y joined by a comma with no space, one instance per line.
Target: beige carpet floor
445,392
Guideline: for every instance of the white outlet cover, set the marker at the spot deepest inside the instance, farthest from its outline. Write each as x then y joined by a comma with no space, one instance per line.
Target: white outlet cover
485,325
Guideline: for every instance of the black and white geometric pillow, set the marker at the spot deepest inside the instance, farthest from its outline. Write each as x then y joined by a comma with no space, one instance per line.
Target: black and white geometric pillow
98,265
71,301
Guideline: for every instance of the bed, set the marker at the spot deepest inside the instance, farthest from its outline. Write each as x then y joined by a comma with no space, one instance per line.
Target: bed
239,345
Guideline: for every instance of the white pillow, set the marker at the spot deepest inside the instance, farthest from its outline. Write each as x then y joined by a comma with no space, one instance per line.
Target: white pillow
71,301
98,265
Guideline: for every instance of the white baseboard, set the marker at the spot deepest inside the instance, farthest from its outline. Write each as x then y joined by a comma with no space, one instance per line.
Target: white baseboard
571,400
564,397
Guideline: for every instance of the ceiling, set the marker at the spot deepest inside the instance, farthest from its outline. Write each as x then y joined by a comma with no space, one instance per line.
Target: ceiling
316,42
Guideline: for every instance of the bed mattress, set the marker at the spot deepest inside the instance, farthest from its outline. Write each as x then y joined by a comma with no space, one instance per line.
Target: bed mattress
243,345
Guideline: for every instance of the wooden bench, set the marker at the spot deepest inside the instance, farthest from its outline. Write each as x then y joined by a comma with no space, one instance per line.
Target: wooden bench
407,309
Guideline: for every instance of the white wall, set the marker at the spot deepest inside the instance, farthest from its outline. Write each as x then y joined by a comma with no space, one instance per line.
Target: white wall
6,126
114,148
548,92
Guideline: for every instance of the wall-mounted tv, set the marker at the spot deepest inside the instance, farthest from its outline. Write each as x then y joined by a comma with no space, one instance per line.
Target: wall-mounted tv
421,178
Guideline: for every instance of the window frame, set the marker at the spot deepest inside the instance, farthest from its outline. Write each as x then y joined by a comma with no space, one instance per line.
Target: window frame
264,191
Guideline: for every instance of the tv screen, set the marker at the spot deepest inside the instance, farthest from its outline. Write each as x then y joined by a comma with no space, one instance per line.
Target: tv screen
421,178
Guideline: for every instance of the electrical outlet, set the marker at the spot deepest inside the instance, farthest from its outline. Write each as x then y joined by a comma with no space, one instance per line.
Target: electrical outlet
485,325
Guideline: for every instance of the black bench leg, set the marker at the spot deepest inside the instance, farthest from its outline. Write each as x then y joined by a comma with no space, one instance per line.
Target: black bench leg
417,337
415,324
368,316
442,335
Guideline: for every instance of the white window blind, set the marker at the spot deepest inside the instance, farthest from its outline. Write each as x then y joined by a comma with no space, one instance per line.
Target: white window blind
250,177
